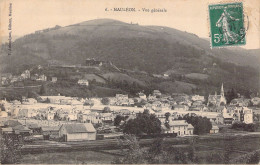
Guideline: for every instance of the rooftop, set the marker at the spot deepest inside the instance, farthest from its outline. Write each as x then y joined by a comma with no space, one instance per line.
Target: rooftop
79,128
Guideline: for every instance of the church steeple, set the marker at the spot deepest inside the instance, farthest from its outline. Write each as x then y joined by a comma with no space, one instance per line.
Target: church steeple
222,90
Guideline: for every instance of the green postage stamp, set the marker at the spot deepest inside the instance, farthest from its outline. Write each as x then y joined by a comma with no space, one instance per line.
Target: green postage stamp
227,24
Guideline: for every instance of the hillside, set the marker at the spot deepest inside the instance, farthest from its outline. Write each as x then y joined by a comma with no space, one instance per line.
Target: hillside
152,49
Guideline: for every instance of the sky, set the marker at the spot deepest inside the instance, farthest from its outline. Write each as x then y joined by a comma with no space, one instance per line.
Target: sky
186,15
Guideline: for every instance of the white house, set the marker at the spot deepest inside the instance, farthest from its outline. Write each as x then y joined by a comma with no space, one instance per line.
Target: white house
49,115
122,99
142,95
157,93
83,82
214,129
197,98
29,101
25,74
255,101
77,132
42,78
181,127
246,115
181,108
54,79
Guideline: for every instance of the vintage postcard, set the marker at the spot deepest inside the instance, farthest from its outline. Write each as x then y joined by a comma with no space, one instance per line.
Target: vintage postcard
129,82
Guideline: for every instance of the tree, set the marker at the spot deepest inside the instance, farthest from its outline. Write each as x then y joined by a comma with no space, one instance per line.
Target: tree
105,101
90,103
158,153
231,94
134,155
106,110
10,149
167,115
201,124
2,107
149,123
42,90
253,158
141,103
118,120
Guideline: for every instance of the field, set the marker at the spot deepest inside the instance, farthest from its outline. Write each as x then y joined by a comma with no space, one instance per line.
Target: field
75,157
197,76
226,146
230,149
176,87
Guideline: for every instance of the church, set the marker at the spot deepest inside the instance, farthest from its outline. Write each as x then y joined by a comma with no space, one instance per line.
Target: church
217,100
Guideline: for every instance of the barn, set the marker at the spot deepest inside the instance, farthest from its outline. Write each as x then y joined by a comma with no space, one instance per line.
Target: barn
77,132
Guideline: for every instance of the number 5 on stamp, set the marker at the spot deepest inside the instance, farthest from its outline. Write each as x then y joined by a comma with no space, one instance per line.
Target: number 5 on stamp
227,24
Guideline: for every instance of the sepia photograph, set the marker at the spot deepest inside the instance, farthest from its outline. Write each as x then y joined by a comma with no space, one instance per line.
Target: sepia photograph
130,82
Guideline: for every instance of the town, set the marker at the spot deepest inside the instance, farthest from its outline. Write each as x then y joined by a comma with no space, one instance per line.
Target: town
54,117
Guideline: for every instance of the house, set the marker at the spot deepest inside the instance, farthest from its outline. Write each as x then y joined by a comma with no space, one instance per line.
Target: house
39,67
161,116
157,93
5,78
36,129
190,129
107,117
14,79
29,101
142,95
77,132
7,130
124,112
181,107
181,127
92,117
246,115
197,103
219,119
51,131
217,100
54,79
41,78
3,114
83,82
25,74
227,116
56,99
240,102
22,130
49,115
93,62
11,123
122,99
255,101
182,99
197,108
197,98
214,129
26,113
151,98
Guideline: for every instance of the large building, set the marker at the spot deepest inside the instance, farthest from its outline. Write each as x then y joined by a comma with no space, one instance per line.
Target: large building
217,100
77,132
181,127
